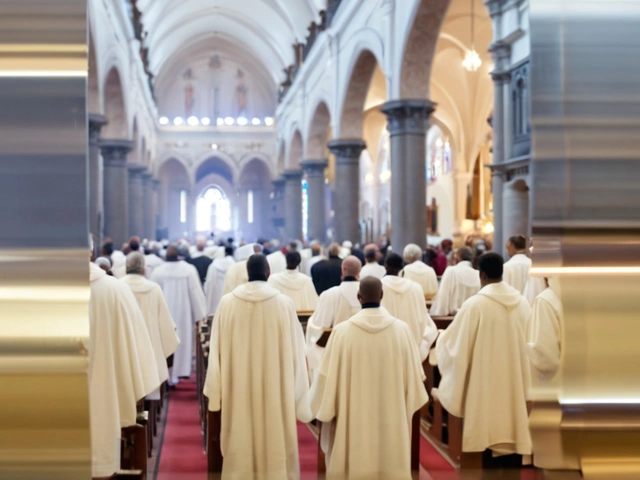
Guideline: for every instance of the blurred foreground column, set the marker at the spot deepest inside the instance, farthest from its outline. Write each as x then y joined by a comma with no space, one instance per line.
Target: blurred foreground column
585,71
44,253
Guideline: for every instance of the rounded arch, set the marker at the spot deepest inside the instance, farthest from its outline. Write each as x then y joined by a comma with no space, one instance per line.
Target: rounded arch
361,74
115,107
295,150
420,48
318,132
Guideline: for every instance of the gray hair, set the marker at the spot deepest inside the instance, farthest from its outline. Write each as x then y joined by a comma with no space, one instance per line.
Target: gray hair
135,263
465,254
412,252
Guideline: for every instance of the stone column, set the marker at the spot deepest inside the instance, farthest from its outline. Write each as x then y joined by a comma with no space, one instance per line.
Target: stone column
293,204
314,170
116,189
408,121
96,207
148,209
500,52
346,203
136,199
277,205
155,186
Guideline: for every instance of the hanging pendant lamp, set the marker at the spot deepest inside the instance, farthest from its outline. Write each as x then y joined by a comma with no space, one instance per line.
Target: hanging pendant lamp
472,61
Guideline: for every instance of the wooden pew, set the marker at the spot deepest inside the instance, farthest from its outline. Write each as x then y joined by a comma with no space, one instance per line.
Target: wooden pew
214,453
304,316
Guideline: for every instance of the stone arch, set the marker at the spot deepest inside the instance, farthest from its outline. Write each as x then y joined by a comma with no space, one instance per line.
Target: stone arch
295,151
351,121
214,163
93,88
420,48
222,158
114,107
318,132
174,155
248,157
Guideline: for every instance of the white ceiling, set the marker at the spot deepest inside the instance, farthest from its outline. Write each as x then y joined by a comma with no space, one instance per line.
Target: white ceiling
263,30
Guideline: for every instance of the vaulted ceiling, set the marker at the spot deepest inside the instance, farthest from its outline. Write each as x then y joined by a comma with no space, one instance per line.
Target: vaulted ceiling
255,32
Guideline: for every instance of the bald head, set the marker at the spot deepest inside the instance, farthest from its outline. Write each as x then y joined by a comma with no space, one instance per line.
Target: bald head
370,290
351,267
258,268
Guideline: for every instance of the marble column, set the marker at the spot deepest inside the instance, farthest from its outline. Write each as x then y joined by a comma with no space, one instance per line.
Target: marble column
136,199
148,210
96,208
408,121
346,202
500,52
314,170
116,189
293,204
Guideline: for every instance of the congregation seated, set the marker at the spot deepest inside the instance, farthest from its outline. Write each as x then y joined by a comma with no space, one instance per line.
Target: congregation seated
257,378
404,299
421,273
458,283
372,344
295,285
485,368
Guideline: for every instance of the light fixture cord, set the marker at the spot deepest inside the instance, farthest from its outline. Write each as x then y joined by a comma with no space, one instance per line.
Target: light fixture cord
473,45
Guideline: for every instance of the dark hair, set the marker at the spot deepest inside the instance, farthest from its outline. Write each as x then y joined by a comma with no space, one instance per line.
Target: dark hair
371,255
394,261
519,242
257,267
134,244
172,253
107,248
492,265
228,251
293,259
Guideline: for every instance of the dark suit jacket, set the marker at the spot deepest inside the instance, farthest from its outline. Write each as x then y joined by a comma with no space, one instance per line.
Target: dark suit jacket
202,265
326,274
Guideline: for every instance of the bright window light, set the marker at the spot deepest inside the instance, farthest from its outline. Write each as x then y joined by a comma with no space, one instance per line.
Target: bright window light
250,206
268,121
229,121
205,121
193,121
220,121
242,121
183,206
255,121
163,120
178,121
213,211
214,146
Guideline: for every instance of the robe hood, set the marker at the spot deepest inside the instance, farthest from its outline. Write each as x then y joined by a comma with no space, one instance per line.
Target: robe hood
468,280
255,292
396,284
289,279
223,264
346,290
95,272
502,293
417,266
137,283
372,320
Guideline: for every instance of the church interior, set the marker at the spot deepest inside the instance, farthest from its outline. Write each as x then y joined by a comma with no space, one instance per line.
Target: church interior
326,238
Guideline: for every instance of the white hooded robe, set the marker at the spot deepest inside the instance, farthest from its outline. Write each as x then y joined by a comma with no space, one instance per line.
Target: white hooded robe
422,274
151,262
516,271
277,262
182,289
534,287
298,287
373,269
486,376
257,374
370,398
214,283
121,367
404,300
544,335
160,325
458,283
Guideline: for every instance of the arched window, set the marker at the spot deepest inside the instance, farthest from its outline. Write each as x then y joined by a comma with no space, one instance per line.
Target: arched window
305,208
438,161
213,211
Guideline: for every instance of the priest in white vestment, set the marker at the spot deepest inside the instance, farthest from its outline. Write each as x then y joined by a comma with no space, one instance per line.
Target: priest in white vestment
160,325
404,299
369,386
534,287
372,268
544,334
516,270
418,271
277,262
483,360
295,285
152,259
237,273
335,306
458,283
122,370
214,283
257,375
182,289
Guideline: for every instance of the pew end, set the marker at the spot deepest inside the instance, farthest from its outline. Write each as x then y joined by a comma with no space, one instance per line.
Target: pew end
214,453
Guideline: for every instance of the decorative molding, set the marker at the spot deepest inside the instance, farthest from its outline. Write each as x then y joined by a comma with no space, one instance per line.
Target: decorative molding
515,168
314,168
347,150
96,122
408,116
114,152
292,176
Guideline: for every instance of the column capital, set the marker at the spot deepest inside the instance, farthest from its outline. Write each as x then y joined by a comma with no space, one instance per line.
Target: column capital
136,172
293,175
155,183
114,152
314,167
500,53
279,182
147,177
408,116
494,6
348,149
96,122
